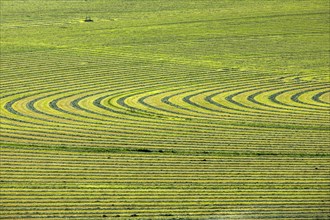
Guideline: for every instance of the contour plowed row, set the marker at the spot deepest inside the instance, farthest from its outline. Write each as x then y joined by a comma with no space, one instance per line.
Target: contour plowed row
164,110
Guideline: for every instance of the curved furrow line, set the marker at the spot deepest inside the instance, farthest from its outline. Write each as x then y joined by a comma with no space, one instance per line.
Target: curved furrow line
305,97
218,104
292,96
259,97
58,109
244,107
32,103
27,105
268,96
180,125
322,97
165,100
284,99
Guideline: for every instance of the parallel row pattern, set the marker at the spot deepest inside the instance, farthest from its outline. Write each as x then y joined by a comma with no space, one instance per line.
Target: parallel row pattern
194,151
165,110
48,184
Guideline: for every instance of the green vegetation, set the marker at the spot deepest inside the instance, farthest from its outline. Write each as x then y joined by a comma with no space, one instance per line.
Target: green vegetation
170,109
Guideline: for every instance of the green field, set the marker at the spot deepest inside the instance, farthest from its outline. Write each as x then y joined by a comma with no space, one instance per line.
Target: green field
165,109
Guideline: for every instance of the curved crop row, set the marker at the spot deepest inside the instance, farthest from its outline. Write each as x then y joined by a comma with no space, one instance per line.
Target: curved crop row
171,110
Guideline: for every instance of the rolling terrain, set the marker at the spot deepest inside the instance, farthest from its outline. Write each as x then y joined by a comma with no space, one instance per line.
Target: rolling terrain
165,109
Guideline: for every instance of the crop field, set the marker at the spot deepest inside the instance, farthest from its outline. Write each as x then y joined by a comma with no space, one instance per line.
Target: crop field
165,109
